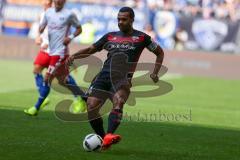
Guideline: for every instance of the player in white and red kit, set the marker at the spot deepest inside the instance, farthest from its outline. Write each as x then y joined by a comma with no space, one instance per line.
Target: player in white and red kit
54,40
42,59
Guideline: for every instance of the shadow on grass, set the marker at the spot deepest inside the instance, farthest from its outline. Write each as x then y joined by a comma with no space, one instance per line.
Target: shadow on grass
44,136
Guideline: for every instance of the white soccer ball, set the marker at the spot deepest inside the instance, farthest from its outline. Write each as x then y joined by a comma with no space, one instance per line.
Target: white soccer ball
92,142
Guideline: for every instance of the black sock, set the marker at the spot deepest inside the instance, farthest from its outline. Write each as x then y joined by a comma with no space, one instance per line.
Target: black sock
73,87
114,120
76,90
97,125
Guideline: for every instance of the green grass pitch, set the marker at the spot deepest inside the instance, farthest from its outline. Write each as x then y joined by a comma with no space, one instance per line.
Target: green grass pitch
208,127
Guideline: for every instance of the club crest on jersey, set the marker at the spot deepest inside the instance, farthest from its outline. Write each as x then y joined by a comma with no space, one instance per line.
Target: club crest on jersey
135,38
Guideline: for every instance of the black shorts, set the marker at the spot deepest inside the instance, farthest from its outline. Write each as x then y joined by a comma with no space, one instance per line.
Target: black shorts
106,84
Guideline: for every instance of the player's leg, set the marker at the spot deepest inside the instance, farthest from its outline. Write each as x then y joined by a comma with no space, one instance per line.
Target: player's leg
72,85
79,105
38,68
54,61
66,80
44,92
115,116
41,62
37,71
93,106
97,95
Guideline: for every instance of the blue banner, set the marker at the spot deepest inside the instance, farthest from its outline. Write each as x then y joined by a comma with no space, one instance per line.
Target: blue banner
21,12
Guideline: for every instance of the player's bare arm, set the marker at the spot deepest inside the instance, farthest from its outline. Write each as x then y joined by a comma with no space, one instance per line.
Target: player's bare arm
38,40
68,39
78,31
83,53
42,28
158,63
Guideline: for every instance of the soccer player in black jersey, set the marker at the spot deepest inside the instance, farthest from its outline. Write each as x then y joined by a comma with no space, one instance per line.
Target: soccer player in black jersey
124,49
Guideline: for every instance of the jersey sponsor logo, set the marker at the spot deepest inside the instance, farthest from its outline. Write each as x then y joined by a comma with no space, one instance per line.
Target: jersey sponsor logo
124,46
53,26
138,38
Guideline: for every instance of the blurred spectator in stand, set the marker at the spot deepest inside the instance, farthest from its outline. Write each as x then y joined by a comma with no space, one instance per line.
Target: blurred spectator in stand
149,30
168,5
180,37
130,3
231,7
220,10
227,9
181,7
140,4
2,3
153,6
207,8
194,8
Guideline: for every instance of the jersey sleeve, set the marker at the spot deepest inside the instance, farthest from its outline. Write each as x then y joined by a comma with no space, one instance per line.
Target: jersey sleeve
74,20
101,42
150,44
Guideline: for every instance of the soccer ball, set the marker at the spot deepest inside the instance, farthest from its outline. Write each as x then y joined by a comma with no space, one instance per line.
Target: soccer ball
92,142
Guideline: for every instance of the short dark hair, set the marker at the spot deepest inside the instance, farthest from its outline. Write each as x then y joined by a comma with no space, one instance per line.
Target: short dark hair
129,10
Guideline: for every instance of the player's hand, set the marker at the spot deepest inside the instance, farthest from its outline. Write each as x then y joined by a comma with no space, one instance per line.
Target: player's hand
154,77
38,40
67,40
45,46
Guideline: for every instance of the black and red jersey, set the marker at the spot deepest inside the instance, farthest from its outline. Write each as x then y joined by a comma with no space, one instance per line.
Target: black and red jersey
131,46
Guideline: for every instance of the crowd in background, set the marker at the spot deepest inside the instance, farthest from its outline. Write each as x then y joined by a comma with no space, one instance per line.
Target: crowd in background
226,11
205,8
